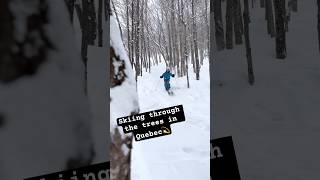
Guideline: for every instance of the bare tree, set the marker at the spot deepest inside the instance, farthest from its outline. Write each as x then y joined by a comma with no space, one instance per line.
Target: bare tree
262,3
318,3
218,25
293,5
270,18
280,14
237,20
247,41
229,25
100,31
195,41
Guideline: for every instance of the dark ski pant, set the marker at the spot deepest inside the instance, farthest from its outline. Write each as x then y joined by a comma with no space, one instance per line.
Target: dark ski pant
167,84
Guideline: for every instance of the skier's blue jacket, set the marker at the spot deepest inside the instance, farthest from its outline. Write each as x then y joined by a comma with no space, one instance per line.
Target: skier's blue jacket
166,75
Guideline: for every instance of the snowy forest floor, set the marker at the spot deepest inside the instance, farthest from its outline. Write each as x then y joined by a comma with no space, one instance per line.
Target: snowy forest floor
184,154
276,122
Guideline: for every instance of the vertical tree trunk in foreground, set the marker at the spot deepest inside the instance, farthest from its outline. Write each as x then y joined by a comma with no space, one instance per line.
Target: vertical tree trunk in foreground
229,25
280,14
219,31
247,42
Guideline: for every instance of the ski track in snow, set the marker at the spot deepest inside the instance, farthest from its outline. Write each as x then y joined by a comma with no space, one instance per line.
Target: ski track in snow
275,123
185,154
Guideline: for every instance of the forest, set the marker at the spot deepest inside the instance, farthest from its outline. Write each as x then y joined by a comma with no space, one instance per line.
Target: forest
173,31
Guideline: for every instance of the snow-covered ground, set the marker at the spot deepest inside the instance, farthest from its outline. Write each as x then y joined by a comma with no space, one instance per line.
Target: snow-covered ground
275,123
185,154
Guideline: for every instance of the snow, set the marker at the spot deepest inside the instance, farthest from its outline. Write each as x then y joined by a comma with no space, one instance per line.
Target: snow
274,123
184,154
124,97
47,115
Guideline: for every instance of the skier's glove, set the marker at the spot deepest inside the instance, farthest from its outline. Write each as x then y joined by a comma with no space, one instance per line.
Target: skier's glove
172,75
161,76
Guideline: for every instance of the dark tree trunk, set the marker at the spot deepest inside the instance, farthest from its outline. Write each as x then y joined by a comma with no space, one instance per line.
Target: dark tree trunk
229,25
237,20
293,5
318,2
70,5
280,15
195,42
137,39
270,18
219,31
247,42
100,31
262,3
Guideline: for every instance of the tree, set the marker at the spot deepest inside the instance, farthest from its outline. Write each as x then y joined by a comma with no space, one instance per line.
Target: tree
229,25
247,42
280,14
237,21
262,3
87,18
195,41
219,32
293,5
318,3
70,5
270,18
100,31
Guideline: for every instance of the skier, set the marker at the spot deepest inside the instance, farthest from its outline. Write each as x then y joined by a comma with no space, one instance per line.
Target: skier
166,77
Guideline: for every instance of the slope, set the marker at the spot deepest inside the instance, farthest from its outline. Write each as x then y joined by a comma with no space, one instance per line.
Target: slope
185,153
274,123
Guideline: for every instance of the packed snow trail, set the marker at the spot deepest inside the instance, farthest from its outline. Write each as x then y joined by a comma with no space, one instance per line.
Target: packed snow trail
274,123
184,154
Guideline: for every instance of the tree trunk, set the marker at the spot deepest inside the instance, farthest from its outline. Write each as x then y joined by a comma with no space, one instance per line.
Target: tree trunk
218,25
128,32
247,42
195,41
318,3
137,39
280,15
237,20
207,25
229,25
132,33
262,3
70,5
270,18
100,31
293,5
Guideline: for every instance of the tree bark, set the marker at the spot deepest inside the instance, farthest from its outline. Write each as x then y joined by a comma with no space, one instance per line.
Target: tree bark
237,20
137,39
70,5
100,31
293,5
318,3
229,25
280,15
262,3
270,18
219,32
195,41
247,42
